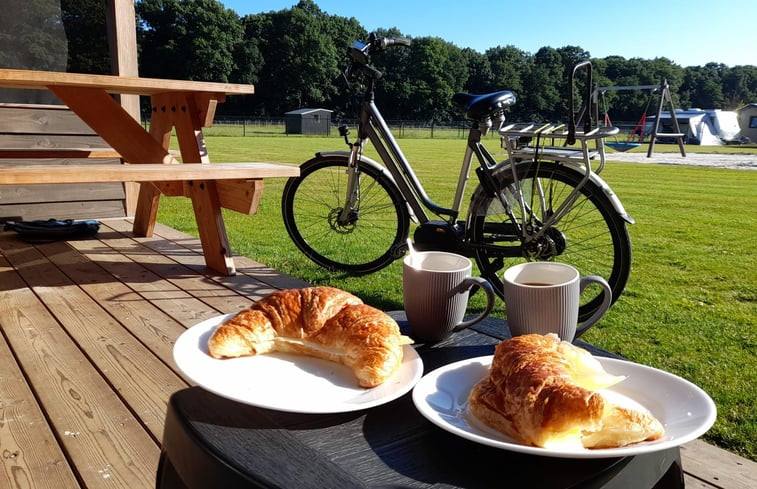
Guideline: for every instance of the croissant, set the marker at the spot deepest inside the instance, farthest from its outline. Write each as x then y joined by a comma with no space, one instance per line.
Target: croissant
322,322
543,392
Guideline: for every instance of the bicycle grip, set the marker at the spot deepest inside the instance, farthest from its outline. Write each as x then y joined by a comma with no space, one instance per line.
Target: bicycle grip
395,41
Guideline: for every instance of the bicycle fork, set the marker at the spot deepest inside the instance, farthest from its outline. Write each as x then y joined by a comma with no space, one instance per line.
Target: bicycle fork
350,212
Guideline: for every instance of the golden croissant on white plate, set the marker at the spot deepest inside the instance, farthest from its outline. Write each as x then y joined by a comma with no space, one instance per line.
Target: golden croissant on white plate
544,392
322,322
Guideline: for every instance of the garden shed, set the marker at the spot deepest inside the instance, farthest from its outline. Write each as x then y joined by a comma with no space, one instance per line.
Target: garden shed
308,121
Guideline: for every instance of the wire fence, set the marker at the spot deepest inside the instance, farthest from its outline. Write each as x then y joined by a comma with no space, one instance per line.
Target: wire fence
276,126
401,129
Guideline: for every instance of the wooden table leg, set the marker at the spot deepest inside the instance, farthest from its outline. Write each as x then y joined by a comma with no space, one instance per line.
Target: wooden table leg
210,227
189,114
161,126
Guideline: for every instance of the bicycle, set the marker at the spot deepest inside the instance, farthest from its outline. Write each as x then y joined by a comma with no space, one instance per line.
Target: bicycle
346,212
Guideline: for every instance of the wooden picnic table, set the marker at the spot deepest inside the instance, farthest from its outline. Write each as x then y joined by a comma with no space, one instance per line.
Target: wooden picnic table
183,106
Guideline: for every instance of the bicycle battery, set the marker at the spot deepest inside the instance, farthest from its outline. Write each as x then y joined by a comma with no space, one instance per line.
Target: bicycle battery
437,236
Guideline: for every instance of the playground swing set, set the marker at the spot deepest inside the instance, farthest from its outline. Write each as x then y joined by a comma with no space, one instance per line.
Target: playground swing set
636,137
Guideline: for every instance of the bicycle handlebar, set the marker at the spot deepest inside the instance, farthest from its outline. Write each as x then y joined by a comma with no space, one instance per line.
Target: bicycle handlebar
360,54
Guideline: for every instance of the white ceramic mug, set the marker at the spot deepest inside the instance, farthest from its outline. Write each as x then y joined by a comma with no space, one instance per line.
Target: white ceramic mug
543,297
436,286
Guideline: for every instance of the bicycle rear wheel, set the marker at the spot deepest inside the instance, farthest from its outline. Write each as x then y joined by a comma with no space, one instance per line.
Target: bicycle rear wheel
591,237
376,231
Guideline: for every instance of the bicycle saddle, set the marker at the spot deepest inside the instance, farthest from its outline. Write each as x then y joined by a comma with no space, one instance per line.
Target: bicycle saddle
478,106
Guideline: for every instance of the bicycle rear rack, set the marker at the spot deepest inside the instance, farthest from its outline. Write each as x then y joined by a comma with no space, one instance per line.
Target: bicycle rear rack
536,142
545,141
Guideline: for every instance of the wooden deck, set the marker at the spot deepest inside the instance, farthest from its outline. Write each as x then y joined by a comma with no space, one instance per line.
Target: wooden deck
86,362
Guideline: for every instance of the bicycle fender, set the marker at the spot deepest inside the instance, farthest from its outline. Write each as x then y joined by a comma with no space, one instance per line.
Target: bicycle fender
364,160
599,181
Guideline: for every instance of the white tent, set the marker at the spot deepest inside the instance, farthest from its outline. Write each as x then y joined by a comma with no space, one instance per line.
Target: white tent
712,127
726,125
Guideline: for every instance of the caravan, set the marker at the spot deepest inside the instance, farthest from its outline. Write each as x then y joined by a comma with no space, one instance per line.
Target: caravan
710,127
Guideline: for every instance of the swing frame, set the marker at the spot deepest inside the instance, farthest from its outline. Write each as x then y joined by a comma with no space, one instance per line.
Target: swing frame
665,97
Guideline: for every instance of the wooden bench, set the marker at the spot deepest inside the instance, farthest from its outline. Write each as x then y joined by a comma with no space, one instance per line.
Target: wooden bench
176,105
240,185
46,135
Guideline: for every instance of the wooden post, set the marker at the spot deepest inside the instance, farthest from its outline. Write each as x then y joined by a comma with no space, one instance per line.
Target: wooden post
122,39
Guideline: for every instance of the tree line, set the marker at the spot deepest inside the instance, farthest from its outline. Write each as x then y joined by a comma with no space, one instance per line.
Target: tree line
295,57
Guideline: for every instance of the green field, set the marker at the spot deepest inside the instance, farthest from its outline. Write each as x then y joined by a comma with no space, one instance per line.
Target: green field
690,306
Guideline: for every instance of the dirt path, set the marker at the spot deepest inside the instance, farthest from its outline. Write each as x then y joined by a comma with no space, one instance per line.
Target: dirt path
716,160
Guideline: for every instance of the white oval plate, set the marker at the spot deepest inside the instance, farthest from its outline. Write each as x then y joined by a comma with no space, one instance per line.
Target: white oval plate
685,410
286,382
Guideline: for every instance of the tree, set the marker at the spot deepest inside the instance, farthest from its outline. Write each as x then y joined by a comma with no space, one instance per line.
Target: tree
32,36
480,74
301,59
87,34
510,66
188,39
739,86
435,72
544,99
571,56
702,87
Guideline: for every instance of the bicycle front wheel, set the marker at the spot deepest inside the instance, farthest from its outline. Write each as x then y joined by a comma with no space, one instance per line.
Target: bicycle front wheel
592,236
373,235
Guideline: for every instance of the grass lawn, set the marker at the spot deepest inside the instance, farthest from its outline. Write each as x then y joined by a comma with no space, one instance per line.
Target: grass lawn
690,306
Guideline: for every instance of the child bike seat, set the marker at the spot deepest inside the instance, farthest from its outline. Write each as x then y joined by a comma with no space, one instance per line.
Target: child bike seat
477,107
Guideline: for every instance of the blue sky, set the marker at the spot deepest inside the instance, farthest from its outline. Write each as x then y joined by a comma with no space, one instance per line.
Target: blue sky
690,32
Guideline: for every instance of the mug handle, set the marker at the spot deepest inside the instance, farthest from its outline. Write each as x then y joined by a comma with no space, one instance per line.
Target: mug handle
607,299
468,283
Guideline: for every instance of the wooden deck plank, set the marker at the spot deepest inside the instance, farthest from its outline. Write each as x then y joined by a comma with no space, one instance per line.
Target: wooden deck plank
136,276
104,441
140,377
716,467
252,280
151,325
175,274
246,267
31,454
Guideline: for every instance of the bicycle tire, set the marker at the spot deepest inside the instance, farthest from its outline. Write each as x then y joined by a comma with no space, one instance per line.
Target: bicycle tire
593,235
376,236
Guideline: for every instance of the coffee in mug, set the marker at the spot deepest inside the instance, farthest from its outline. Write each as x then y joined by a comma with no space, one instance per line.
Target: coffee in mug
543,297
